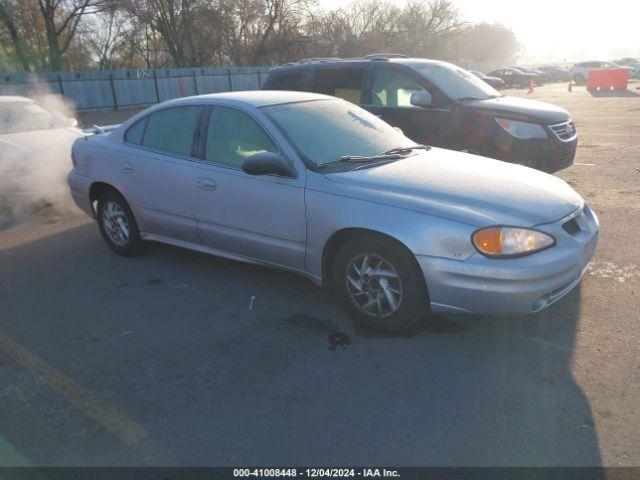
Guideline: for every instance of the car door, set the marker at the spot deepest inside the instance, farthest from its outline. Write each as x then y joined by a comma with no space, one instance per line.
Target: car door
343,81
260,217
155,171
390,99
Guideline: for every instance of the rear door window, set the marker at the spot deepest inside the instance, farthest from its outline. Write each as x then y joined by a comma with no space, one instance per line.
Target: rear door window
345,83
288,81
172,130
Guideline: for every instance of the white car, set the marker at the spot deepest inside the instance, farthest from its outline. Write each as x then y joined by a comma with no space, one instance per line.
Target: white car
35,148
580,71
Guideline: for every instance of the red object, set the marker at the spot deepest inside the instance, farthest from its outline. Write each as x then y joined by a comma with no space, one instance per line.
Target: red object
613,79
531,86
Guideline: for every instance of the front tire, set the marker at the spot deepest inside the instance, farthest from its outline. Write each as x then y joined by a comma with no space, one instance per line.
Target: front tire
379,284
118,225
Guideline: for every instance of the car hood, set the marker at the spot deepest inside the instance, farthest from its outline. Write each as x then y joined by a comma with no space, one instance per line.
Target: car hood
45,148
520,108
462,187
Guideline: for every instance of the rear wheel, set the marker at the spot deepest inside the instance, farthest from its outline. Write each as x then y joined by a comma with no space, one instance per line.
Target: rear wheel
379,284
118,225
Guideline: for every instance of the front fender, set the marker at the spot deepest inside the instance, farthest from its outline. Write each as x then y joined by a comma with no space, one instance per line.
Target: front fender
422,234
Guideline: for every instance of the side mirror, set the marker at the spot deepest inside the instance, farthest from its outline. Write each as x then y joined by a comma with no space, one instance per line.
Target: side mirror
420,98
72,122
268,163
399,130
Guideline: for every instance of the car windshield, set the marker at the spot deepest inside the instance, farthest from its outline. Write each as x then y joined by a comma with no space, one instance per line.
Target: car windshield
455,82
338,129
26,116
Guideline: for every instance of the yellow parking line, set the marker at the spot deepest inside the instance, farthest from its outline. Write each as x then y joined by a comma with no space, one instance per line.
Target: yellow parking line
126,430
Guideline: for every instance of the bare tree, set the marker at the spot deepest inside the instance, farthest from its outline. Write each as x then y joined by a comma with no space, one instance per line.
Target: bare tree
190,33
61,20
105,35
428,27
190,29
7,16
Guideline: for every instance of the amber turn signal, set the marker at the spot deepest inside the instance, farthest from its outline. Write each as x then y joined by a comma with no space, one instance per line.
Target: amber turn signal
489,241
510,241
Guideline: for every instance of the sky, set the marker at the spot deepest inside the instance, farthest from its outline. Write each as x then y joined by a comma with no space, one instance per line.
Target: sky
558,30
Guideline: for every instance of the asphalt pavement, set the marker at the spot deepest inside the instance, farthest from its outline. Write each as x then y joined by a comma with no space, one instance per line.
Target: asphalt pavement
178,358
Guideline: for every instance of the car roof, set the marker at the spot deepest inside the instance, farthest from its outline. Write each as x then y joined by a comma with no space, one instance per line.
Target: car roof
14,99
255,98
314,62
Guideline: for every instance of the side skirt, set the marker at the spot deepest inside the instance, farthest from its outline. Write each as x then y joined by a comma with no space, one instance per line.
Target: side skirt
232,256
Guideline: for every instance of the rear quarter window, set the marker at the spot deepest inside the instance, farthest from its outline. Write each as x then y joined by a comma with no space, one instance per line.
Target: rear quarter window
136,131
172,130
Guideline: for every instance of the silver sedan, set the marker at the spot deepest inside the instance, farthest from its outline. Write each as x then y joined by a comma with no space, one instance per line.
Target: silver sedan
319,186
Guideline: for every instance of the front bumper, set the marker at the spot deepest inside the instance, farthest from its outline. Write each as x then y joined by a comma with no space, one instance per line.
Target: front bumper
516,286
548,155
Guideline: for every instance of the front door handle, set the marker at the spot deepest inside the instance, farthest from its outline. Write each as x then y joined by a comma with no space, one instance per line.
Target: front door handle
127,167
205,183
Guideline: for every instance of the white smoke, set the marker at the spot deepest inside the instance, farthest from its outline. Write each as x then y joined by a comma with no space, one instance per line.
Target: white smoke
35,156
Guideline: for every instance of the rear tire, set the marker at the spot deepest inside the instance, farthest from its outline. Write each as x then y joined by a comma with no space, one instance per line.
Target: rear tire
379,284
117,225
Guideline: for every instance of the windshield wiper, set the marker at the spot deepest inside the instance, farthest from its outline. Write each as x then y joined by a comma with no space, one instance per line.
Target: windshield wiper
404,150
479,98
392,154
363,158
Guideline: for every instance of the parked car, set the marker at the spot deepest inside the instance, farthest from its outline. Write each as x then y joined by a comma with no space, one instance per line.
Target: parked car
555,73
513,77
495,82
321,187
453,109
630,61
35,145
580,71
633,64
539,77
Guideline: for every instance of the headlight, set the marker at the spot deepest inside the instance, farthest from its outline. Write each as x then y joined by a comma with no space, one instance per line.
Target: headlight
521,130
510,241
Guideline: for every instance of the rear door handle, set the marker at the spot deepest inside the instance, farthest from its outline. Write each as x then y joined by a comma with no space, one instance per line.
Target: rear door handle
205,183
127,167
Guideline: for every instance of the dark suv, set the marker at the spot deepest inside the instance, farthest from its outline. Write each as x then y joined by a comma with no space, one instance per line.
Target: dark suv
437,103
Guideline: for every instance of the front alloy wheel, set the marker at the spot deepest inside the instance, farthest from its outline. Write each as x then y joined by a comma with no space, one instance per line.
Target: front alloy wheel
379,283
374,286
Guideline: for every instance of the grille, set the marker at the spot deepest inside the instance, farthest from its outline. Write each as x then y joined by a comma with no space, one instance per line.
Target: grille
565,131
